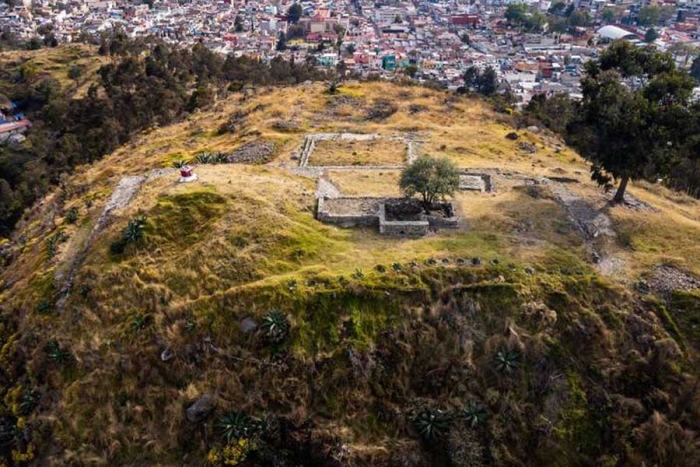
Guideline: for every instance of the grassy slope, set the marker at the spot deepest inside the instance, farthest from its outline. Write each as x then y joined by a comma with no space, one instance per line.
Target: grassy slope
244,239
56,63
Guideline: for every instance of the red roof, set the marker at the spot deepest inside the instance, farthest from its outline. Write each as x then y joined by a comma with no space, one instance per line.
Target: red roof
5,127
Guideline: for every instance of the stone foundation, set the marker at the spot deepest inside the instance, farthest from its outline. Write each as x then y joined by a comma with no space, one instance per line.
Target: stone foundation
399,217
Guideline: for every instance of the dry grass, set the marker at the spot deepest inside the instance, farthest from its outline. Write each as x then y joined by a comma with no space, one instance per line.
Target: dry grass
228,246
366,182
56,63
374,152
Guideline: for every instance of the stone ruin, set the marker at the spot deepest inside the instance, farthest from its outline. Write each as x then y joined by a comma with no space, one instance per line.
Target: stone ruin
483,182
407,144
398,217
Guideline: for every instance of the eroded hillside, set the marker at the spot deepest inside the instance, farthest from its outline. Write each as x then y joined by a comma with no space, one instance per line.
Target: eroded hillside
548,329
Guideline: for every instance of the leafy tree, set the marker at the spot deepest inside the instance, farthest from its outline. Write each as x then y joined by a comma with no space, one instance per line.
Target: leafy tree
397,19
652,15
651,35
608,15
554,112
557,7
430,178
485,82
695,68
626,130
294,13
281,42
517,13
238,24
579,18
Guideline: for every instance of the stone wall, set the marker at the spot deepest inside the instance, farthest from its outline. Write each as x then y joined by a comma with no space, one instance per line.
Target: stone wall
371,212
332,211
401,228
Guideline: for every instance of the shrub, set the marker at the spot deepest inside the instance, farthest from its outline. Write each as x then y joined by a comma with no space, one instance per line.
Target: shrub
56,353
44,307
236,425
275,326
432,424
396,267
358,274
55,240
72,215
507,361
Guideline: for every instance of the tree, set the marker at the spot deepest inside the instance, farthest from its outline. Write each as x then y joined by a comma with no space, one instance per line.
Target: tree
554,112
651,35
516,13
294,13
485,82
627,132
608,15
579,18
397,19
430,178
281,42
695,68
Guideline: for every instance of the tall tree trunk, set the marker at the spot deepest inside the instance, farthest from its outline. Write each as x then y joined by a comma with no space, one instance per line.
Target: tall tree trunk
620,194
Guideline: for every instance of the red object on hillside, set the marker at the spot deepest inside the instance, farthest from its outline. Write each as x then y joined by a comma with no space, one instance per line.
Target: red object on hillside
186,171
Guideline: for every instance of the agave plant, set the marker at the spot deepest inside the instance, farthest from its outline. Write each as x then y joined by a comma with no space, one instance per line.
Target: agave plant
236,425
432,424
507,361
139,322
28,402
180,163
133,232
332,87
56,353
358,274
72,215
475,415
275,326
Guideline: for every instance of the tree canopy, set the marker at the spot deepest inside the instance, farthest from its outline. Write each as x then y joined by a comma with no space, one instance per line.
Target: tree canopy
430,178
294,13
627,123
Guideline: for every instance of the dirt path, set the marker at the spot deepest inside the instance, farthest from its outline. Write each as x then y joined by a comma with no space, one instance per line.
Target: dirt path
121,197
592,224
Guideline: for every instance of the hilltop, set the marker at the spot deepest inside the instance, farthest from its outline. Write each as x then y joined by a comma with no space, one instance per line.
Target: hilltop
549,328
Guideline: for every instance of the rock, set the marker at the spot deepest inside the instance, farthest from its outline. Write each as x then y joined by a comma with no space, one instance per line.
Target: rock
529,271
643,286
167,355
200,409
527,147
512,136
533,129
248,325
16,139
476,261
286,126
253,153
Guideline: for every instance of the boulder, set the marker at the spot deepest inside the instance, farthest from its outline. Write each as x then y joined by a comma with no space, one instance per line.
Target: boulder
512,136
527,147
200,409
248,325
